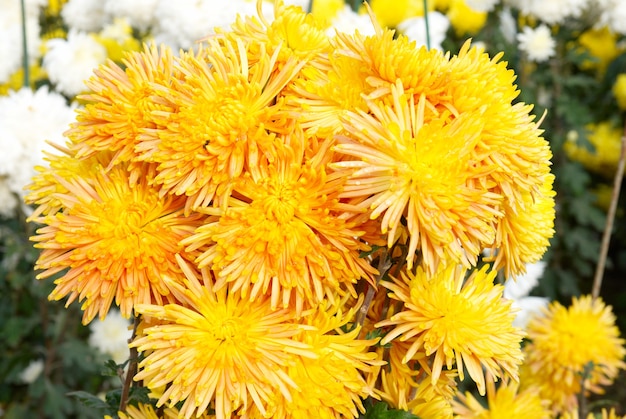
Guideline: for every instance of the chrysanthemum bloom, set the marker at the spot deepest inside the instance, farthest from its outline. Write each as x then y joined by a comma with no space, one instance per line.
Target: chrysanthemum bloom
146,411
405,166
408,386
221,119
45,186
537,43
523,234
511,158
605,137
571,346
358,66
505,402
293,33
331,385
217,350
288,236
484,339
604,414
120,104
116,238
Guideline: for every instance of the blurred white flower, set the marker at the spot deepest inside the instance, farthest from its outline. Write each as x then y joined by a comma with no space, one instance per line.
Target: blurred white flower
415,29
140,13
508,26
110,336
551,11
31,372
518,288
70,62
348,21
528,308
612,14
11,35
482,5
84,15
23,142
8,201
180,24
537,43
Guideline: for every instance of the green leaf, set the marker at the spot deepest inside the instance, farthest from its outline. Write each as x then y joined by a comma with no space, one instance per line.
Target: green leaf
380,410
91,401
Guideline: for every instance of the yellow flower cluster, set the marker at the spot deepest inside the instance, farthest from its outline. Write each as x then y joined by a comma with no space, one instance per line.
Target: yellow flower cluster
573,349
605,141
228,195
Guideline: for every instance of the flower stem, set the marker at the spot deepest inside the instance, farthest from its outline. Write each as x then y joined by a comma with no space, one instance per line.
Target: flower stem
25,47
384,263
132,368
610,218
426,23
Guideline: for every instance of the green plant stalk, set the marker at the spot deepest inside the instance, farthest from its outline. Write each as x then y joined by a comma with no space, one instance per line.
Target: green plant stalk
425,2
610,218
25,47
132,368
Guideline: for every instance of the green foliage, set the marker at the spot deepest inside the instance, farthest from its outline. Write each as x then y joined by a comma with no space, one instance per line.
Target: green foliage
33,329
381,410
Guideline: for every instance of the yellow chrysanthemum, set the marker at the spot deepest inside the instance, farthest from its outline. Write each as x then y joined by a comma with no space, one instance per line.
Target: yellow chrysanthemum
118,39
116,238
293,33
146,411
619,90
511,156
45,185
362,66
287,236
326,10
237,357
389,13
571,345
507,402
404,166
464,19
120,104
603,414
221,119
408,386
460,321
330,385
217,350
523,234
600,43
605,139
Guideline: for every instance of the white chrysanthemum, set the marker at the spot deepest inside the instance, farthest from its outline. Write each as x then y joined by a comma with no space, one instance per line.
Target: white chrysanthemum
520,286
537,43
180,24
415,29
11,36
613,15
348,21
552,11
69,62
508,25
22,142
31,372
140,13
526,308
84,15
482,5
110,336
8,200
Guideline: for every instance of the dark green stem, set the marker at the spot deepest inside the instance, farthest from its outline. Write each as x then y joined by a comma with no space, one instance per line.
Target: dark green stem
427,23
25,47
